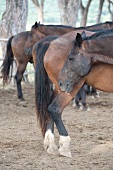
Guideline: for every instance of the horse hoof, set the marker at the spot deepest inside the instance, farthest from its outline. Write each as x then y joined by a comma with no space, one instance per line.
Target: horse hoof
23,103
97,96
81,108
88,109
49,144
64,144
65,152
74,105
53,150
22,99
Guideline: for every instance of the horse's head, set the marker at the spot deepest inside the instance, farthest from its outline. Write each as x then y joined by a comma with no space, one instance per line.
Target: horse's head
76,67
34,36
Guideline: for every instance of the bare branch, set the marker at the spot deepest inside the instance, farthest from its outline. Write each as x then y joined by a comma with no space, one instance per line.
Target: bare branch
36,2
109,5
100,10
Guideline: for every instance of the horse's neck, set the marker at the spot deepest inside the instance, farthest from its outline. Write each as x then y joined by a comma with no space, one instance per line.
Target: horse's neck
102,58
55,30
101,51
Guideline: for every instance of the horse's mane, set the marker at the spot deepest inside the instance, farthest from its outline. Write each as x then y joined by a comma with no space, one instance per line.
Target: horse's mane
61,26
100,43
99,34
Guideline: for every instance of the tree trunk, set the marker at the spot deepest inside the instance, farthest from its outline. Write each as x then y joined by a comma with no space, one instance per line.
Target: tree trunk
110,3
100,10
84,13
40,9
13,20
69,11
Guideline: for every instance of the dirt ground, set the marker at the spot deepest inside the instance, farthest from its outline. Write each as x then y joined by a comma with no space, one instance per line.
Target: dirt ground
21,143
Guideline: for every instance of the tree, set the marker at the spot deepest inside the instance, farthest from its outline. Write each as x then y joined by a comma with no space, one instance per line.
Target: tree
39,7
100,10
84,12
69,11
13,19
110,8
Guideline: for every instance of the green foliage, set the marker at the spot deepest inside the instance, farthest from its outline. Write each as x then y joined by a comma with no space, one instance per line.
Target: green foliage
52,15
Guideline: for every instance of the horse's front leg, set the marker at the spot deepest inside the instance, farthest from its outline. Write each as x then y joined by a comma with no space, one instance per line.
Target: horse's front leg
55,109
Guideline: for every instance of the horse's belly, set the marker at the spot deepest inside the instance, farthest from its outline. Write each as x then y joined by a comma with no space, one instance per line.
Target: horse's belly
101,77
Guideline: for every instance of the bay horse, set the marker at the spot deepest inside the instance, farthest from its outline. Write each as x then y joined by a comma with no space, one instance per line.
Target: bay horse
49,57
90,60
15,50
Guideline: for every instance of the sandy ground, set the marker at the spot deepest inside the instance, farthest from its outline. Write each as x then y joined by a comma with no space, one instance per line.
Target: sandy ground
21,143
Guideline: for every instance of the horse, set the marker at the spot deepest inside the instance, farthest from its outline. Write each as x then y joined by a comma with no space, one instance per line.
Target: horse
90,60
15,50
49,57
80,99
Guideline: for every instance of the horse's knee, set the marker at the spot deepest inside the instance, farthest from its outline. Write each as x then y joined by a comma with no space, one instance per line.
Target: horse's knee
18,77
54,112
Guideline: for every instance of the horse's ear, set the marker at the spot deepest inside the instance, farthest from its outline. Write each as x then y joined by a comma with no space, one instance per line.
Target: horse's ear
36,24
83,34
78,39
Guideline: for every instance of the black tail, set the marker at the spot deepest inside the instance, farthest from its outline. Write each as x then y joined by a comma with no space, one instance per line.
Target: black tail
43,85
8,61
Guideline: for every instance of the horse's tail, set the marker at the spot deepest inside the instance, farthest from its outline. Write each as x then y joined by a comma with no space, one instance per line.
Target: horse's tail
43,86
8,61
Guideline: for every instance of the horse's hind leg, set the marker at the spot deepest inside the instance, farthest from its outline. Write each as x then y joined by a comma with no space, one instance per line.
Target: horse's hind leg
18,77
83,93
94,92
49,143
77,100
85,105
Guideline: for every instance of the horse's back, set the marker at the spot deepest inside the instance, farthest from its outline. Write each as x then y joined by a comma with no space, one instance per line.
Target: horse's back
20,37
63,44
105,25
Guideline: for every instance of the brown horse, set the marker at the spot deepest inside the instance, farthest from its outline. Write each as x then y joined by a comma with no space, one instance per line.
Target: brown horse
49,57
90,61
15,49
